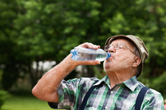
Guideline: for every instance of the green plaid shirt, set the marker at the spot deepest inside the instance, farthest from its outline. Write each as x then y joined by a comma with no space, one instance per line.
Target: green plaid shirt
121,97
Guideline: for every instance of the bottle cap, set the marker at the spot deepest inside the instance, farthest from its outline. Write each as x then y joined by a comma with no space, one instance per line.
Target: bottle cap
108,55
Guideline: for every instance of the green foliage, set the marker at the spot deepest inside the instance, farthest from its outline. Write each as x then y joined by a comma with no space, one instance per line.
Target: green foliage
3,96
99,73
8,56
18,102
159,83
39,30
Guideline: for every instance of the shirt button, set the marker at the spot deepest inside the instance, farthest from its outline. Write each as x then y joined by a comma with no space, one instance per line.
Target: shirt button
106,107
111,92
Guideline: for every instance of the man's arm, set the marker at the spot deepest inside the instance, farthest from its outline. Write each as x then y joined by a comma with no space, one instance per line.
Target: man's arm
46,88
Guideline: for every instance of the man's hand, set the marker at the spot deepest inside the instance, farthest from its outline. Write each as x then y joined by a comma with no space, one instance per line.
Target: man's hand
89,45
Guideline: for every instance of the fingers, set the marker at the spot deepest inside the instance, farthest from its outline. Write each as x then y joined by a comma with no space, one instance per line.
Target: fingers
95,62
89,45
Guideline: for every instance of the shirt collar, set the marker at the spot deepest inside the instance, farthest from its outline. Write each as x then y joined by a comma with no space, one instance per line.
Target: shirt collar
131,83
104,79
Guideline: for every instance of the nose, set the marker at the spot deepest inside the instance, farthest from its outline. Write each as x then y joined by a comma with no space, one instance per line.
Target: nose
112,49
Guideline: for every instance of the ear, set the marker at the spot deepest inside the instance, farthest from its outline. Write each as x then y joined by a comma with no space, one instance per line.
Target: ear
136,62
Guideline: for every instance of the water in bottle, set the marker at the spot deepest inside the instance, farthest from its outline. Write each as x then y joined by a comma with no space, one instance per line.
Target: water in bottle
81,54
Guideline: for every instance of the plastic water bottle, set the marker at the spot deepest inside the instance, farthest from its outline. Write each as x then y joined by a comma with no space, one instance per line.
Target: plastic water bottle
81,54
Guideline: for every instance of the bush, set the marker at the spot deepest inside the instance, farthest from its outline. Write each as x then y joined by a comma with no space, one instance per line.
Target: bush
3,96
159,83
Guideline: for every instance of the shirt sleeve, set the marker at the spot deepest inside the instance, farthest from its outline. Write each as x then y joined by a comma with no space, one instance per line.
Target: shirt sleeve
153,101
67,93
71,92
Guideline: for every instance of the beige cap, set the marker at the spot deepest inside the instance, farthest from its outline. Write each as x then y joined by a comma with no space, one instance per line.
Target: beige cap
138,43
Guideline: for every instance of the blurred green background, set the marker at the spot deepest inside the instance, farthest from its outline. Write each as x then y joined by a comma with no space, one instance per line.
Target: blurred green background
37,34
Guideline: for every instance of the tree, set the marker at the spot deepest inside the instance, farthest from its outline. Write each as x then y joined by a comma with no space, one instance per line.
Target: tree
7,45
47,30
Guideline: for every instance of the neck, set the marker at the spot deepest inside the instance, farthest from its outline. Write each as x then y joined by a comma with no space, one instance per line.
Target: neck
116,77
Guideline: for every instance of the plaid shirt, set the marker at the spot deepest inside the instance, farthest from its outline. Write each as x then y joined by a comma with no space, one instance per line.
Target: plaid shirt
121,97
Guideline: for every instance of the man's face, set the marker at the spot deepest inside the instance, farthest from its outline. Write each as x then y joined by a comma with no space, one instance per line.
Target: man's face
121,58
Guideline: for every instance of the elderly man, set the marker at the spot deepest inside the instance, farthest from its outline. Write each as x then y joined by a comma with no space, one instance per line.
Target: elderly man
118,90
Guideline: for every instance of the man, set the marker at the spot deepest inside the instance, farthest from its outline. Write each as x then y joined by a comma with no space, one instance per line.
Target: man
118,90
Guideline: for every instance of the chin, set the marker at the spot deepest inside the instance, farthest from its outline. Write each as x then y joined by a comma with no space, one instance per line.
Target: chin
106,67
108,70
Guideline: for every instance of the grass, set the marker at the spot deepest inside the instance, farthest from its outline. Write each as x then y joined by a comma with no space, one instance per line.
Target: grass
28,102
21,101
